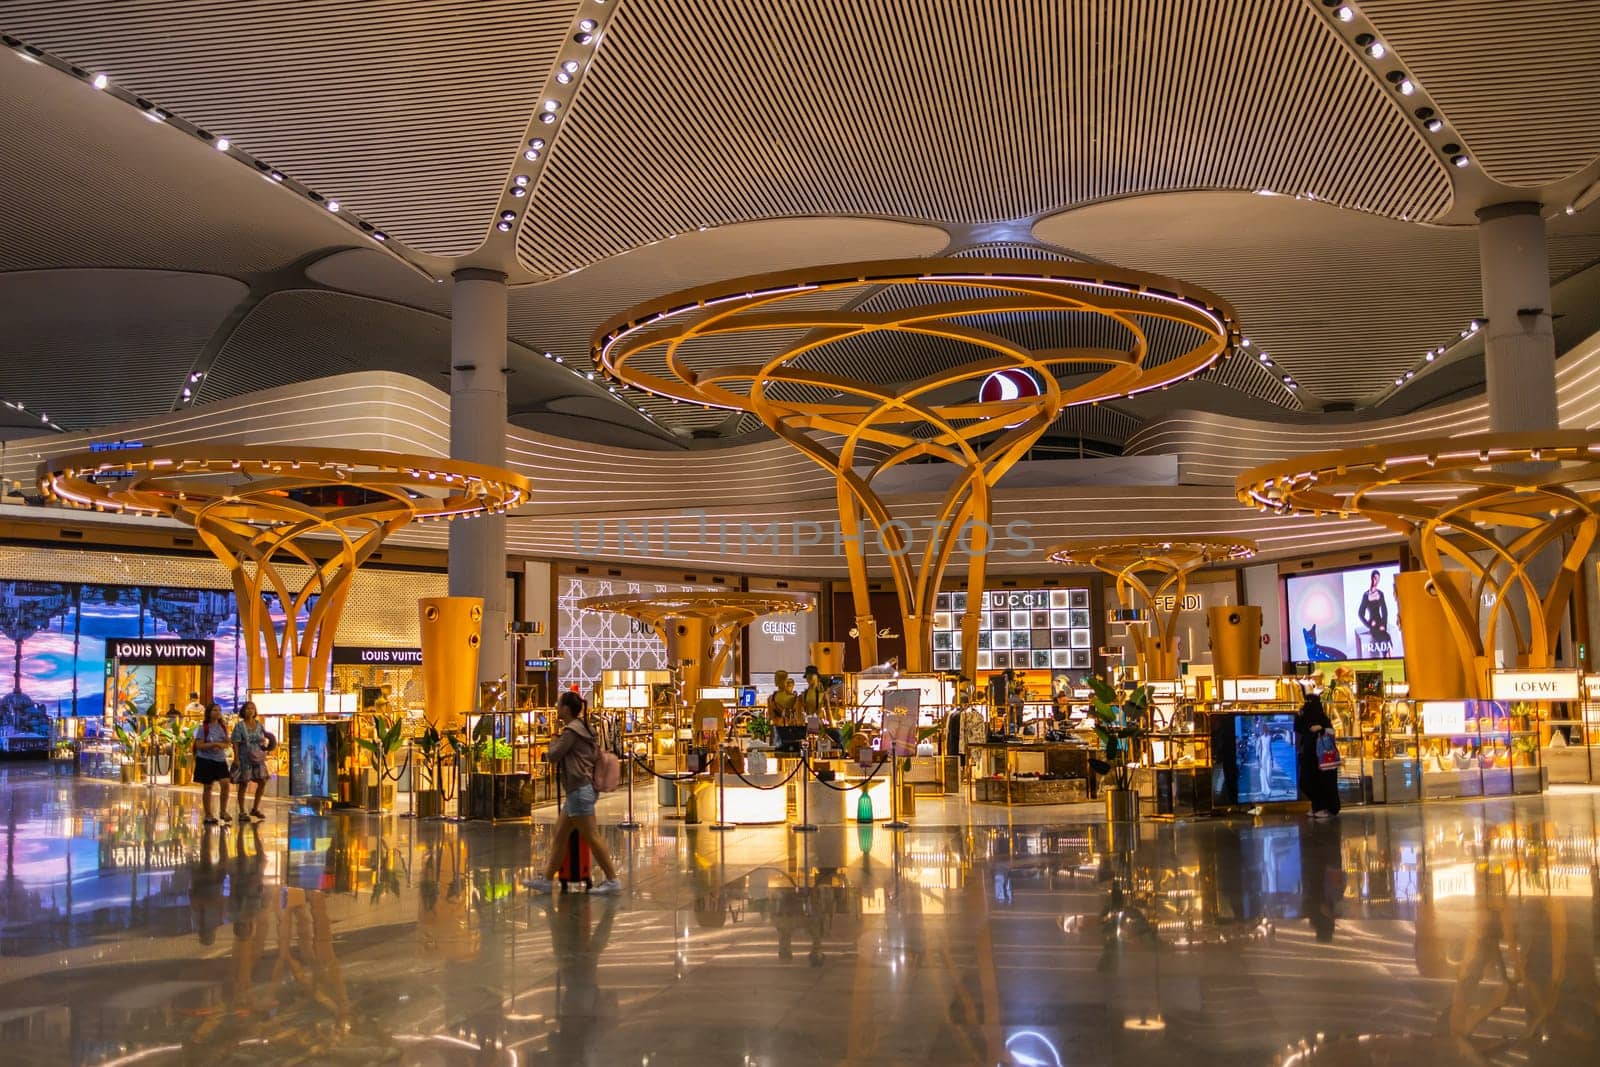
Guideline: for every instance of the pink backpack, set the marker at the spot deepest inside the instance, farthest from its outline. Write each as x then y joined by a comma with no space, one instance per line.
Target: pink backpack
607,772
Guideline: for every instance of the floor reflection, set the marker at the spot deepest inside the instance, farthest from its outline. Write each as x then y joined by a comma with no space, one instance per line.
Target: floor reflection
1454,933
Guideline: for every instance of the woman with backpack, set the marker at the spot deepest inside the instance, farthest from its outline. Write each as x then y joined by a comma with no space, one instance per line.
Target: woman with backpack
575,754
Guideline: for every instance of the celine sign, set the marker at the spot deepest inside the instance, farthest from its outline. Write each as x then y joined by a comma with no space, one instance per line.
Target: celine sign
1533,685
778,629
351,656
1250,690
144,651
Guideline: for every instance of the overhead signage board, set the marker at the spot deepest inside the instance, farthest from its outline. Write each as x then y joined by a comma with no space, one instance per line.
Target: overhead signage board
1250,690
145,651
355,656
1533,685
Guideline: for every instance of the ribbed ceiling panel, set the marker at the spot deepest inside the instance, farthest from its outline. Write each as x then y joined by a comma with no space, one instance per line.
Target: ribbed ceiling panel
696,115
84,182
127,360
410,113
1517,79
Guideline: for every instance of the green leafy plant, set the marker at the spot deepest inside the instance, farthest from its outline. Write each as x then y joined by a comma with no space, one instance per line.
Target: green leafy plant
486,746
760,727
1120,723
384,743
128,736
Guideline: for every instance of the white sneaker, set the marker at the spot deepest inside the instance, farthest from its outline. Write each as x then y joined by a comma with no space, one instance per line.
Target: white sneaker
538,885
610,885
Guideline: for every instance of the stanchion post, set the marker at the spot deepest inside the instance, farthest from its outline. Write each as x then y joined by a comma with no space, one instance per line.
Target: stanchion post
722,785
895,821
630,823
806,826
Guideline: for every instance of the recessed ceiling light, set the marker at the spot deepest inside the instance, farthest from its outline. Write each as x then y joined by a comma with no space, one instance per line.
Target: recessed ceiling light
563,77
547,118
333,206
519,192
1371,45
1406,87
571,66
187,394
1344,14
583,38
508,216
536,144
1434,125
100,81
275,175
1263,357
530,155
502,226
552,105
587,25
1460,161
520,180
379,235
222,144
1429,357
1397,381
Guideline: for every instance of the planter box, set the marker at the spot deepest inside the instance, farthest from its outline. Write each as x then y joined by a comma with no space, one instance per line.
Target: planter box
498,796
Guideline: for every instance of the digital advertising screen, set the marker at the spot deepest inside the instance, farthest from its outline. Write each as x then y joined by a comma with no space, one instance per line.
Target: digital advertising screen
311,771
1253,759
1343,615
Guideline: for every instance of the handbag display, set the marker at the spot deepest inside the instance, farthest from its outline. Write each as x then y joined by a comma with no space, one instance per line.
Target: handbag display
1328,758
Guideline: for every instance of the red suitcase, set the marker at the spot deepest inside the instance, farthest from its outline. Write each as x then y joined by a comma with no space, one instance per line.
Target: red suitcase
575,864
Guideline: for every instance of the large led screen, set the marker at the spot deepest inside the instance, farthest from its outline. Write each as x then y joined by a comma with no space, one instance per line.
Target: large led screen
1344,615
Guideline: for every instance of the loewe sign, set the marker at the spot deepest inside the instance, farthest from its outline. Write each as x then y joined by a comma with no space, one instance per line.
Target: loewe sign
1534,685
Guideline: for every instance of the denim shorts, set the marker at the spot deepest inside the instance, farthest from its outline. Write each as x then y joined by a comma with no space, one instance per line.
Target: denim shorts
579,802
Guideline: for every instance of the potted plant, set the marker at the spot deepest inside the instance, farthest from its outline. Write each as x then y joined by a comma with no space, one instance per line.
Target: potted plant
1120,725
381,746
428,796
759,728
64,758
181,738
128,737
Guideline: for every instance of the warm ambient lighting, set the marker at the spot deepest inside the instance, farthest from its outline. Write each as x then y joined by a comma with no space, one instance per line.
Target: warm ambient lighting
804,391
1516,494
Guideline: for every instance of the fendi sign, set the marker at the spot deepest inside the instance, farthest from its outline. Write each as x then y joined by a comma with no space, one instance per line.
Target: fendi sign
1533,685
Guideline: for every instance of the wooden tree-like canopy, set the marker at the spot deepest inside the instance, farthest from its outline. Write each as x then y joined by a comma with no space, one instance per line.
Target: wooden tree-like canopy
1486,505
258,507
811,388
699,628
1172,561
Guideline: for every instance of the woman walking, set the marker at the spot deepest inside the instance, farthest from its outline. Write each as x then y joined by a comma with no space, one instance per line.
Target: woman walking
574,753
1319,786
250,757
211,747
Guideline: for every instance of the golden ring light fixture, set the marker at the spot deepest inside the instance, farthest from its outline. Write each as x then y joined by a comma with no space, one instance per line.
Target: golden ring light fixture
857,426
699,628
258,507
1477,511
1161,601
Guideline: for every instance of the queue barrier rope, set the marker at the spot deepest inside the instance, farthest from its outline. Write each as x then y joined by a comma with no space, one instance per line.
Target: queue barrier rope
845,788
803,762
776,785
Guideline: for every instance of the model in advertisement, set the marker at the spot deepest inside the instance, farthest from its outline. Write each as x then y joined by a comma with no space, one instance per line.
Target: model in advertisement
1373,612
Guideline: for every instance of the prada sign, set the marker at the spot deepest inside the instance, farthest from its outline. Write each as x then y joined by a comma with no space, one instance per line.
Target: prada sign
145,651
1533,685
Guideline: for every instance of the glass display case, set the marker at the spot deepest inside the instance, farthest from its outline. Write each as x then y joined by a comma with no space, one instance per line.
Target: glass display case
1030,773
1570,745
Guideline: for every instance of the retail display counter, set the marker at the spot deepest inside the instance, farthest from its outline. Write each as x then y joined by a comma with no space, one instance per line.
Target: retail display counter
1030,773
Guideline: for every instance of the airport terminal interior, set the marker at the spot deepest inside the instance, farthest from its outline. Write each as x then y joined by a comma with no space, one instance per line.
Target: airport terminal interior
773,532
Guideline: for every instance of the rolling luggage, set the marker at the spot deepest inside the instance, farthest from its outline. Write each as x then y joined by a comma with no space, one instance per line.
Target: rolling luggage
575,864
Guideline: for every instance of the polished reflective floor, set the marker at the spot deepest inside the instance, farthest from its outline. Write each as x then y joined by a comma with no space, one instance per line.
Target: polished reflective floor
1454,933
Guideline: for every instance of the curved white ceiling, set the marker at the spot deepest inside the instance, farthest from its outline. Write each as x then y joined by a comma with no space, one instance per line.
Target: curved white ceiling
1342,301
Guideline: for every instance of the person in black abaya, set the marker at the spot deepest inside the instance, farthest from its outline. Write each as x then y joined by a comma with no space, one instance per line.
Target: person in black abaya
1316,785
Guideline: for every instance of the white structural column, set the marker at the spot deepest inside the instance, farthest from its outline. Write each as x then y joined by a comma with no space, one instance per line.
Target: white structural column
1520,346
478,435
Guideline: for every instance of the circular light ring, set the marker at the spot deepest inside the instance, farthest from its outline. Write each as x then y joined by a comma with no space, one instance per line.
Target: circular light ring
1494,479
252,484
1116,555
720,608
756,305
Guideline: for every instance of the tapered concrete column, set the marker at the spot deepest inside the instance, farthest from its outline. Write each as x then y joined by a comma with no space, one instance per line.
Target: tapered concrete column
1520,346
478,435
